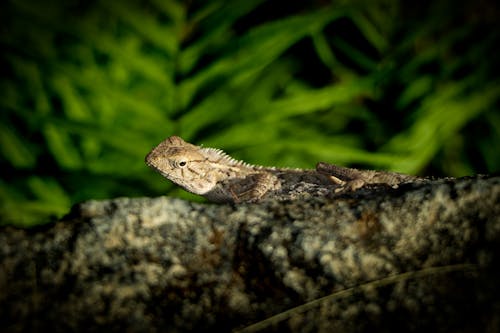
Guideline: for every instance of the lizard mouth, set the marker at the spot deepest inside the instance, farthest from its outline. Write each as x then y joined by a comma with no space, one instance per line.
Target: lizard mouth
151,163
149,159
163,173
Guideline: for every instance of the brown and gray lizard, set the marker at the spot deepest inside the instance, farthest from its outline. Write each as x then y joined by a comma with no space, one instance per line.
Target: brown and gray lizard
218,177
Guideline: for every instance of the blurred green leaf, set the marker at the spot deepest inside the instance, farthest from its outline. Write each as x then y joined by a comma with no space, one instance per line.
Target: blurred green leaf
415,91
15,149
319,99
433,129
255,50
88,88
48,191
215,20
161,35
62,147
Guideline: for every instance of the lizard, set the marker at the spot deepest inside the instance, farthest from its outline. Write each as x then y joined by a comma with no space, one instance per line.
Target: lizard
218,177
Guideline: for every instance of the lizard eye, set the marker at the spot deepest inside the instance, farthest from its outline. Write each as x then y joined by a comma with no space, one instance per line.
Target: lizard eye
182,163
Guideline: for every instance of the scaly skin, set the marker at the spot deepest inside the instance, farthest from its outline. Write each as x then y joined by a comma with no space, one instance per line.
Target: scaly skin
218,177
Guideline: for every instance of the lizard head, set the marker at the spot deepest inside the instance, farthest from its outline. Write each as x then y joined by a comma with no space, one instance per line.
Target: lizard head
180,162
194,168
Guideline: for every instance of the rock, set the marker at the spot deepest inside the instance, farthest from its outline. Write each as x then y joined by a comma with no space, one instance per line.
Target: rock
420,257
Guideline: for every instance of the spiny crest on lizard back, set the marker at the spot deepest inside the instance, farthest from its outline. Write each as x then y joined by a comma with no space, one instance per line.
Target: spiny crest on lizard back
219,156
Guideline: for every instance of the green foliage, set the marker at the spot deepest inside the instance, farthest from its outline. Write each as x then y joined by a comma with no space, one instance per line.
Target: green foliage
89,88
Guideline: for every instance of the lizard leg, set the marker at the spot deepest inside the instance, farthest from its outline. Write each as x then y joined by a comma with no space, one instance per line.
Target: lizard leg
260,184
351,179
355,178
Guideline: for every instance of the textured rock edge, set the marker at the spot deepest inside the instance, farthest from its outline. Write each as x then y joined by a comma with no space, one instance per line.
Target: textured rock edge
162,264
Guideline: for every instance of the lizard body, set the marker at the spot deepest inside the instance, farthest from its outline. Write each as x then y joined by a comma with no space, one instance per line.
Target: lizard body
218,177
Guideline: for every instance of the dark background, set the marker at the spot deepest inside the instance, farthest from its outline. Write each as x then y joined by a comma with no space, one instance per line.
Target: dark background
88,88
